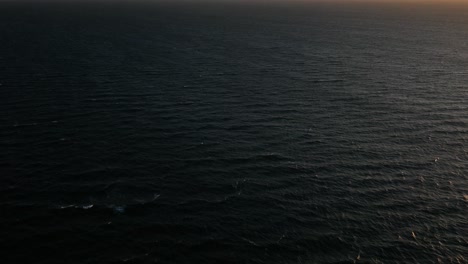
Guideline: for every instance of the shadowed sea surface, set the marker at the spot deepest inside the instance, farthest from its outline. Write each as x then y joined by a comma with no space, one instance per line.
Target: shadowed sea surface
224,133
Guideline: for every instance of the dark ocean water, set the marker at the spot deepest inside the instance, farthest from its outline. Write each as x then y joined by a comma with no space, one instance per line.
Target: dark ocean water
204,133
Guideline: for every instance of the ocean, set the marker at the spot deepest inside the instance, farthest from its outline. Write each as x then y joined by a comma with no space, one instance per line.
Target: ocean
233,133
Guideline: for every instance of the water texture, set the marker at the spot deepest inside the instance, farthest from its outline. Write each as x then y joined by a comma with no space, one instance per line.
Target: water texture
233,134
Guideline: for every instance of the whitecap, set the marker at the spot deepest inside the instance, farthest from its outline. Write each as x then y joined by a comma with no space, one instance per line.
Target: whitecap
85,207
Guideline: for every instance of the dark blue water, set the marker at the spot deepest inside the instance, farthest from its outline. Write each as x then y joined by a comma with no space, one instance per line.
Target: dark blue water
209,133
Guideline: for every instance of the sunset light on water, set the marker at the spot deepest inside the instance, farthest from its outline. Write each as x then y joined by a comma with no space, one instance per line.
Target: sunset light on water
233,131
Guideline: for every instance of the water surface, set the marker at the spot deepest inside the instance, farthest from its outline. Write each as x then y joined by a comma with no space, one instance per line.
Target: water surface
233,134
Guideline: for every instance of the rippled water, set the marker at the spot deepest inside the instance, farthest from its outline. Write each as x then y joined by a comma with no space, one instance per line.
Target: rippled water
233,134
